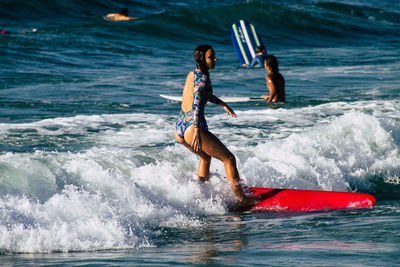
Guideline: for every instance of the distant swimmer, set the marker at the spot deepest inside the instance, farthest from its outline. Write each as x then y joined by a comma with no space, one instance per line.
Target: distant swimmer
275,81
123,15
258,60
7,31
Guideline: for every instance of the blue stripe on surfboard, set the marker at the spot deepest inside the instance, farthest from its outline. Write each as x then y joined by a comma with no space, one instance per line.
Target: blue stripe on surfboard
240,44
249,38
254,38
257,37
236,45
245,39
261,42
246,44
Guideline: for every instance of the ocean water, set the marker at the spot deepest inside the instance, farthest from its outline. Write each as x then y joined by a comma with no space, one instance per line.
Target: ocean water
90,172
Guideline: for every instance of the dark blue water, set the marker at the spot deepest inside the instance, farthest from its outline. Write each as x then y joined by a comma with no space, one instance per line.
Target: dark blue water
90,173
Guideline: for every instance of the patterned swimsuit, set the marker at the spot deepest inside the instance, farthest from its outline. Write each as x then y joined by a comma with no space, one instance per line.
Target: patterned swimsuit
202,92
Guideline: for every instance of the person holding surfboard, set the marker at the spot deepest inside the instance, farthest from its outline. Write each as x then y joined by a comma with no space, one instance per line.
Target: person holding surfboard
275,81
258,60
191,127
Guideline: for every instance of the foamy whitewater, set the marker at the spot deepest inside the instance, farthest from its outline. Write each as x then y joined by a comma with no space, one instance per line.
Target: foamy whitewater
133,176
91,174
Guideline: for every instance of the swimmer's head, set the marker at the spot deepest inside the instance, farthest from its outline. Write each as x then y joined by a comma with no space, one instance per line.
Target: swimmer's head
272,63
199,55
124,11
260,49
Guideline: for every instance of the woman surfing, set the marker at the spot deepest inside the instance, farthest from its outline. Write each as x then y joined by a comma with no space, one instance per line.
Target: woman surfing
191,128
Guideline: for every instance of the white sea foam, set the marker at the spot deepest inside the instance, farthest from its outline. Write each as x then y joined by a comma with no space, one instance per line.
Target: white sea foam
135,177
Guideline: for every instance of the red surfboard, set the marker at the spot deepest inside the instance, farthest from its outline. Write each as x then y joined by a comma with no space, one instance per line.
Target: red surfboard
294,200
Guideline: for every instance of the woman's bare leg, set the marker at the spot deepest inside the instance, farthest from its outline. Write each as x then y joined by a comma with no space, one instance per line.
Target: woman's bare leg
203,170
213,147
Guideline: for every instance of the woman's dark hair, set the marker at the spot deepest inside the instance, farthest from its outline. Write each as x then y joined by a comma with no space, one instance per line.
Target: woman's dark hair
260,49
272,62
199,56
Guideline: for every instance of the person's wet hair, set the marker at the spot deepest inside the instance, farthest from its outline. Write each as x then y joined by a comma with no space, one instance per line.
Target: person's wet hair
124,11
259,49
199,56
272,62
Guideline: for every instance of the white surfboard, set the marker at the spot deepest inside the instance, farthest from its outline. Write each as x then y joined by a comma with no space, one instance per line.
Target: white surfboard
227,99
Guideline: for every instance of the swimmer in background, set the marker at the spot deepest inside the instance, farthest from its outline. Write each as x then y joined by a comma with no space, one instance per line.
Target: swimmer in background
275,81
6,31
123,15
258,60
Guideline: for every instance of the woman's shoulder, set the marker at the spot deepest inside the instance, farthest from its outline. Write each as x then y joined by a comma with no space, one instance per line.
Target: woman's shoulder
199,76
190,74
